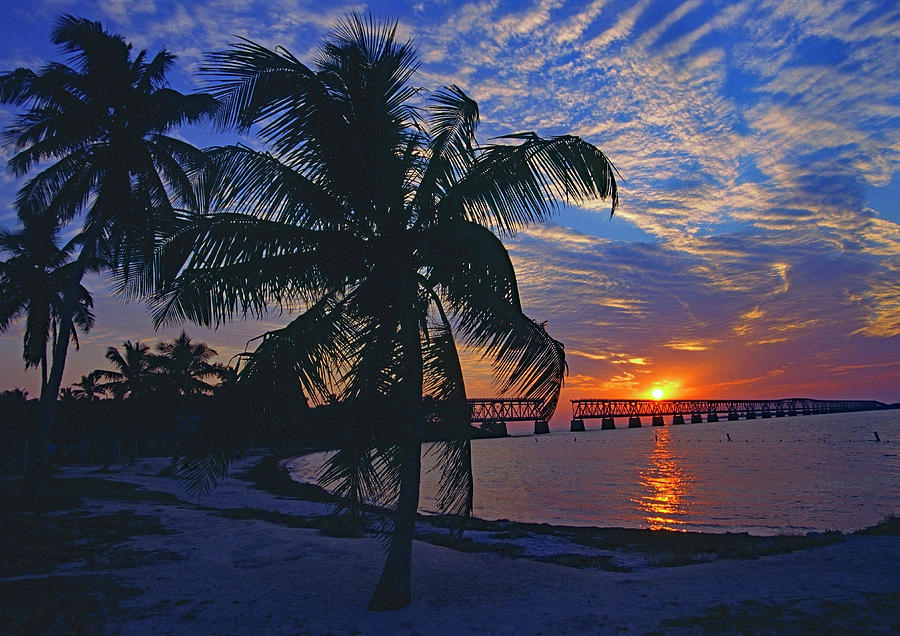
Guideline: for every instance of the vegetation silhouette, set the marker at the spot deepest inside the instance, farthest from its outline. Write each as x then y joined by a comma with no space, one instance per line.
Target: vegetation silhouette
31,284
180,367
32,279
132,376
101,122
374,213
87,388
184,367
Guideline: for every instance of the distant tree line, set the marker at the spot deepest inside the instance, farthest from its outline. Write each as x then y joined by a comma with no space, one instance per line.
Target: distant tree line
152,401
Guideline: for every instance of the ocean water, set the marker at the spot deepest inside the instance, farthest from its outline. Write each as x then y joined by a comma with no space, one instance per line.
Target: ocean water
781,475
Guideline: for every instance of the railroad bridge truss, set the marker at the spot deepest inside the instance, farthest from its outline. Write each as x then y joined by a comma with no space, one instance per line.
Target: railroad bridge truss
492,414
696,410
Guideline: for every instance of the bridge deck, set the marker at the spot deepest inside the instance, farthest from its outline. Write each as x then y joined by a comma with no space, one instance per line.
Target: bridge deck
609,408
505,410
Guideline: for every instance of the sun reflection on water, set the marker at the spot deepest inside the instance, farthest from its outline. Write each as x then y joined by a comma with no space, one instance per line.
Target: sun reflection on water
668,487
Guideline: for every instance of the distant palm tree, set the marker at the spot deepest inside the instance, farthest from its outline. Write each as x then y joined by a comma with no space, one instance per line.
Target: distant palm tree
31,285
87,388
228,377
185,366
101,123
371,212
133,376
16,394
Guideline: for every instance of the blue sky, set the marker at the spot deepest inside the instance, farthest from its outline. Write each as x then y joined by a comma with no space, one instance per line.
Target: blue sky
756,252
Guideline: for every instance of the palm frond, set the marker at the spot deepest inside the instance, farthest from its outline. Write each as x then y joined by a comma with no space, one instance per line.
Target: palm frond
311,349
222,265
443,381
252,83
482,297
350,473
513,185
16,86
201,473
457,483
257,183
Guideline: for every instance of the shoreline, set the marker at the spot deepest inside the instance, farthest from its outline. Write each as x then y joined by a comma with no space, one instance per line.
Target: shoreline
612,548
241,559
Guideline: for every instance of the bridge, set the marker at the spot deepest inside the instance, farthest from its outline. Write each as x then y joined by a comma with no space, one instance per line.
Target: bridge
492,414
607,410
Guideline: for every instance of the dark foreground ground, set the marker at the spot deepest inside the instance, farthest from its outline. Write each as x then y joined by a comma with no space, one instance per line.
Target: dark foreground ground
133,553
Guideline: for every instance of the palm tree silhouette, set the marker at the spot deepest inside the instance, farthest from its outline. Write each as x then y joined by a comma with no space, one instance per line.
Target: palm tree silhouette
185,366
373,212
101,122
133,375
87,388
31,285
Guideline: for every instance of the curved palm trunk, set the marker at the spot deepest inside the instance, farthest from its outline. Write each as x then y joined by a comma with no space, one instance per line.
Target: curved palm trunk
394,589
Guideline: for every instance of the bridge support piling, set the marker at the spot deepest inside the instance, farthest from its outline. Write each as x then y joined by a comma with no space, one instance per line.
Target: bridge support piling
607,424
766,414
751,415
696,418
712,417
495,427
658,420
577,426
678,418
733,415
541,427
634,422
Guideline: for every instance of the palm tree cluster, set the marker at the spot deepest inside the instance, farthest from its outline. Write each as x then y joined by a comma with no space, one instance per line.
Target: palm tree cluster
101,123
368,210
180,368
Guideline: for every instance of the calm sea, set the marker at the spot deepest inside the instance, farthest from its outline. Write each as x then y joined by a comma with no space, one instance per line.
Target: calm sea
780,475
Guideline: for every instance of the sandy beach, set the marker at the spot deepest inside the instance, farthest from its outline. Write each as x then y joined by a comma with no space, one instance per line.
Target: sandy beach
203,573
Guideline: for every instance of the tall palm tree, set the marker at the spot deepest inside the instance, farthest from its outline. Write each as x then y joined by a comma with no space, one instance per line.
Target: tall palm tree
31,285
134,371
185,366
101,122
373,212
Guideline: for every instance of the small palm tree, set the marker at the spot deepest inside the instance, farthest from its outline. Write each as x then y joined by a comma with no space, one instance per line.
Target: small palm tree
373,212
185,366
133,376
87,388
97,130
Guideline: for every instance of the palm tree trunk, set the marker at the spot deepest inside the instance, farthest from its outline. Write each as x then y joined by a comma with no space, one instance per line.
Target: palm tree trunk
39,461
394,589
38,471
44,372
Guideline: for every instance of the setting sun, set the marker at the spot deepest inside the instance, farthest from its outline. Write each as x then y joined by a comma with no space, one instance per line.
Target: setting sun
657,394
